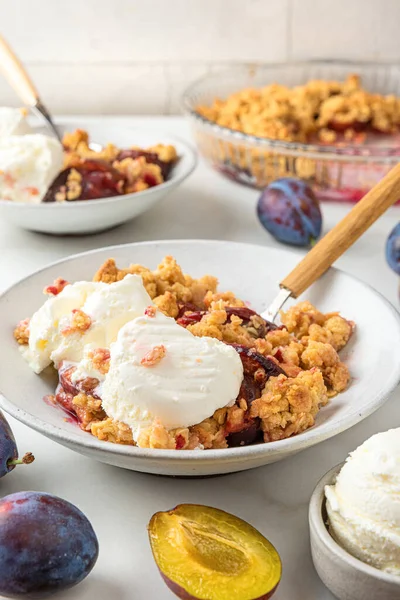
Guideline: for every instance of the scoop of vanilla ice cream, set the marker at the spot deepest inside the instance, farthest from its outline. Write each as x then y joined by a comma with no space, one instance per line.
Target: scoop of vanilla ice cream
13,121
109,307
44,325
196,376
28,165
364,504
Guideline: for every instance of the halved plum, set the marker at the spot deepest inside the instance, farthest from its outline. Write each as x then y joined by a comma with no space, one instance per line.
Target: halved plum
204,553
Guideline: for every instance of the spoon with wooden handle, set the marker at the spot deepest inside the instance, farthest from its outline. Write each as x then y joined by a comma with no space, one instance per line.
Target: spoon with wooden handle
20,81
383,195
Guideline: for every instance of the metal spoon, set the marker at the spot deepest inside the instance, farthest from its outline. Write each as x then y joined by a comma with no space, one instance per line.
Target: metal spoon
20,81
383,195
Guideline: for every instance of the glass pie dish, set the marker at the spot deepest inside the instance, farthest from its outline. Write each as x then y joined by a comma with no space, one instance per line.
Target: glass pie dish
343,171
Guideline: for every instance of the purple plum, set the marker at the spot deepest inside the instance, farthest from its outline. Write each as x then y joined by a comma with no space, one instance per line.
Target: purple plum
46,545
393,249
289,210
8,449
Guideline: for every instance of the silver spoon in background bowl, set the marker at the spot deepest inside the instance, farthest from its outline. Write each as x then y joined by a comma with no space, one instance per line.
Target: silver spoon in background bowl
18,78
12,69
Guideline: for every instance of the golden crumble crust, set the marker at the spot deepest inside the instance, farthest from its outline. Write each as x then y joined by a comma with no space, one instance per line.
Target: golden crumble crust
71,140
138,172
217,300
298,318
289,405
100,358
169,271
21,332
88,409
305,322
319,109
79,323
324,356
109,430
216,325
167,153
167,285
168,304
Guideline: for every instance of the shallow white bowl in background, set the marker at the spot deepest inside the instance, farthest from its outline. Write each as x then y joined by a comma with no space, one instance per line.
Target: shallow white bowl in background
344,575
253,273
91,216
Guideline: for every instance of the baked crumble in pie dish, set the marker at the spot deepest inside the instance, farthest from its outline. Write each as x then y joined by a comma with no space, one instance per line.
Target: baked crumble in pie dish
336,126
91,174
288,372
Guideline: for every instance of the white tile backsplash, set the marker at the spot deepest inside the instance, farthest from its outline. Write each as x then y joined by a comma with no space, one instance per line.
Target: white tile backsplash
126,56
98,89
110,31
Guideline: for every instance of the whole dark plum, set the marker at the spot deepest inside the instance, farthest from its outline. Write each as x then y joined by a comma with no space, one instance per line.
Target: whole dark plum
46,545
289,210
393,249
8,449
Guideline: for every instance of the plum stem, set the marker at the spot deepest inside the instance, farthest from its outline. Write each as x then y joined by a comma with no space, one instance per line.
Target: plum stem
25,460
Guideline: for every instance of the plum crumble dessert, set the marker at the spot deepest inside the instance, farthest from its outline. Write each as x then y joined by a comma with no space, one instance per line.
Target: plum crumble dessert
159,359
90,174
324,111
351,130
37,168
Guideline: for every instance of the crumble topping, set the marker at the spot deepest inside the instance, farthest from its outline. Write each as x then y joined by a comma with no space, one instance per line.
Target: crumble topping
289,405
80,322
100,359
305,322
109,430
56,287
21,332
154,356
139,174
319,109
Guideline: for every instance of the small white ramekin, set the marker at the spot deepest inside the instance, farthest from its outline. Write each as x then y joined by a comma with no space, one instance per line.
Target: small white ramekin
345,576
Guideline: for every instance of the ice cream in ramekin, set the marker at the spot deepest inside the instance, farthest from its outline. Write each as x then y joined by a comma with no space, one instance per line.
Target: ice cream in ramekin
363,505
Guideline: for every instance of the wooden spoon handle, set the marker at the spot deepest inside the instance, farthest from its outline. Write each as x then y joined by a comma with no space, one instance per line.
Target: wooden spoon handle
16,75
344,234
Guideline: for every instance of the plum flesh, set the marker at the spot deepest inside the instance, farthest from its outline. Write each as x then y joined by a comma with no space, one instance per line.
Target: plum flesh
204,553
46,545
257,369
98,180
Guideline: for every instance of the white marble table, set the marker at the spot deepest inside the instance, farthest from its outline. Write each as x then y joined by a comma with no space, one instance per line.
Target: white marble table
120,503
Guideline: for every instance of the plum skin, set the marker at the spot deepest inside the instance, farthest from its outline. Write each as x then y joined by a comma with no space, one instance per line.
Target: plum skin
393,249
290,211
8,447
46,545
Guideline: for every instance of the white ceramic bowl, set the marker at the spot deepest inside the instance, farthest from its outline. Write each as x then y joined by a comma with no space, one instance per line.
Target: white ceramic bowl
91,216
253,273
345,576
